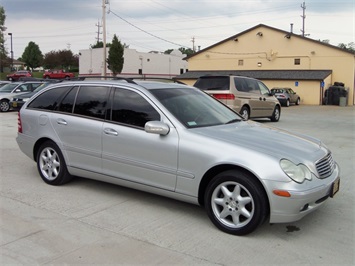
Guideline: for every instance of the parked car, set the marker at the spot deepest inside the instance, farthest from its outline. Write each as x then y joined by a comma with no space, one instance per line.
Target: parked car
176,141
58,74
249,97
8,91
286,96
19,100
16,75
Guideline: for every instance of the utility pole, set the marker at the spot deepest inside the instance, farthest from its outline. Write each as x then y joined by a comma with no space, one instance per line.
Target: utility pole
303,6
98,32
104,2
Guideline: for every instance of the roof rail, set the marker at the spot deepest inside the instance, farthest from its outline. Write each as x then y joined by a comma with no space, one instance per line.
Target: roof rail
128,80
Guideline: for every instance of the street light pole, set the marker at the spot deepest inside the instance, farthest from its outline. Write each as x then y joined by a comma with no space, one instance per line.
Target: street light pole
12,52
104,35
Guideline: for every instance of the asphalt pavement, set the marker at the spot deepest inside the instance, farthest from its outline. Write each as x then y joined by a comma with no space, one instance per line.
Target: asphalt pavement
90,222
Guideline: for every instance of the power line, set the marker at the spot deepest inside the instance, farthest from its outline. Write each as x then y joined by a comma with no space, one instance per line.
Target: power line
153,35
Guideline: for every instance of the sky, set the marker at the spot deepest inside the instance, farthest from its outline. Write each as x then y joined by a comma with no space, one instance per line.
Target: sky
158,25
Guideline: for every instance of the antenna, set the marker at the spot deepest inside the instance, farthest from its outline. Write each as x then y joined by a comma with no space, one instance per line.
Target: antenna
303,6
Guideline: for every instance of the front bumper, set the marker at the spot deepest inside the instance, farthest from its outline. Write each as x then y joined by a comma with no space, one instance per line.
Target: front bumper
301,202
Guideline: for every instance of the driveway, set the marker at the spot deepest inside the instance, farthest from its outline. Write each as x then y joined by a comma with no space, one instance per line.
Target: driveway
89,222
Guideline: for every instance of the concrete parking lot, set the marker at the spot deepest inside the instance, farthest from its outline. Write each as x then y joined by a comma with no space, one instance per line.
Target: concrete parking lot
88,222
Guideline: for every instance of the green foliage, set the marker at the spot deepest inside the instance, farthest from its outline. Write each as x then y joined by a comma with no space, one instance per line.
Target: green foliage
115,58
3,53
32,56
348,47
63,59
186,51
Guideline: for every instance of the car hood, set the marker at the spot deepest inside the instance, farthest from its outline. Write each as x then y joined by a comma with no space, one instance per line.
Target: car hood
265,139
10,95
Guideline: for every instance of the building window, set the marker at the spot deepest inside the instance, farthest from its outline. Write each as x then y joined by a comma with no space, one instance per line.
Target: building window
140,72
181,71
297,61
240,62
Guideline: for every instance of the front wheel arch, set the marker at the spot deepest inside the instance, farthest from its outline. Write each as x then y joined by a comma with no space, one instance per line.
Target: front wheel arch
211,173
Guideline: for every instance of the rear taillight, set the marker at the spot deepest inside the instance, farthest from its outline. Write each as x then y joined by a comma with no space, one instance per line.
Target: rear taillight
224,96
19,123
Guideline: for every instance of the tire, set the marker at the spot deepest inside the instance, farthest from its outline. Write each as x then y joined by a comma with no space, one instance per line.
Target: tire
298,101
4,106
288,103
276,114
236,203
51,165
245,113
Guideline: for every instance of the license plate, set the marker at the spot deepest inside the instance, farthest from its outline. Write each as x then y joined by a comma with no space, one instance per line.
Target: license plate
335,187
14,104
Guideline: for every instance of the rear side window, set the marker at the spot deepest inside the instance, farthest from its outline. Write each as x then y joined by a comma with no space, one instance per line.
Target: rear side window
212,83
67,104
132,109
91,101
49,99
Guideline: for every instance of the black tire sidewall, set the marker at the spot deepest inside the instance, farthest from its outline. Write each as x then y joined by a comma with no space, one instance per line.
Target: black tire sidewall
258,194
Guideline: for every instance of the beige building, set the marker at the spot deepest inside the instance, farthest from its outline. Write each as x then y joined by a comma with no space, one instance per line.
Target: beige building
278,58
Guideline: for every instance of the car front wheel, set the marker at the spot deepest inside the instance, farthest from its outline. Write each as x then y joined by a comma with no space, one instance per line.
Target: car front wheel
51,165
298,101
235,203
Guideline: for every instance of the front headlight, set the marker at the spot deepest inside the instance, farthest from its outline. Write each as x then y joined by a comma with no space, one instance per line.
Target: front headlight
298,173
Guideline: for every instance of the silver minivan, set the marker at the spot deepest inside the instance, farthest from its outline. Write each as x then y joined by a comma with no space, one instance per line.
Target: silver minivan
247,96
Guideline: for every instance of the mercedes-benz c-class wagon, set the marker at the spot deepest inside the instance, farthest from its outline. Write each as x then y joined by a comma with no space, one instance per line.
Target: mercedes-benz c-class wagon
176,141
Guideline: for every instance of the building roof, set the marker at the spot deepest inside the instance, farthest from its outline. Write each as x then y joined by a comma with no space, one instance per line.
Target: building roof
291,34
263,74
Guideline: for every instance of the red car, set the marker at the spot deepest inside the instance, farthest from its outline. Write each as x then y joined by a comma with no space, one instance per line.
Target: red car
58,74
18,74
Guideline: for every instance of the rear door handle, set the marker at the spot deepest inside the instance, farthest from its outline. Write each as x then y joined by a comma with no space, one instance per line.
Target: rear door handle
110,131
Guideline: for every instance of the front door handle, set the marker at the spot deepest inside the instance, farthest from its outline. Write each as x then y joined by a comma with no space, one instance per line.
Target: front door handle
61,121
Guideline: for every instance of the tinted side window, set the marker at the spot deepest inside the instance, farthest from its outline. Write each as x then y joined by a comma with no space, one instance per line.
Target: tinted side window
67,103
91,101
49,99
212,83
241,85
131,108
252,86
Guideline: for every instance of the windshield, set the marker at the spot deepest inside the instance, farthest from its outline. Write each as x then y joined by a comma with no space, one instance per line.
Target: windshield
194,108
8,87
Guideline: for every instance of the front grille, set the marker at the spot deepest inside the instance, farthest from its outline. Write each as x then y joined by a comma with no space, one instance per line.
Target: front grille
325,166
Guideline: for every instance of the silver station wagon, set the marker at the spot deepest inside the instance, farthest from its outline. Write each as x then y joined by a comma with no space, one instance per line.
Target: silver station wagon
176,141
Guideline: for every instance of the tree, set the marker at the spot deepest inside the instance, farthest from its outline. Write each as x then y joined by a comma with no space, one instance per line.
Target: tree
60,59
115,58
3,52
186,51
348,47
32,56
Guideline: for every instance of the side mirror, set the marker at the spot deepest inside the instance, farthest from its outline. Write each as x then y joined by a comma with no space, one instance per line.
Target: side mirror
157,127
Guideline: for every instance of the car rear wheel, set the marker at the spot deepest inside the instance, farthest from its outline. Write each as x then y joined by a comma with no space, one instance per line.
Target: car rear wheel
236,203
288,102
276,114
298,101
245,113
51,165
4,106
